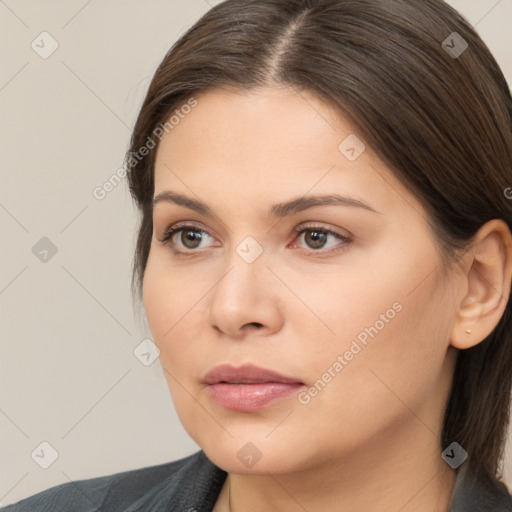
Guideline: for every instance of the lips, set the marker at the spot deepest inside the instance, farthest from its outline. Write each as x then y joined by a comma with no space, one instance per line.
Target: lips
246,374
249,387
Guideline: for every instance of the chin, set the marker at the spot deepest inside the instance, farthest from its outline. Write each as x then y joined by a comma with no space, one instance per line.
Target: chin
252,455
249,460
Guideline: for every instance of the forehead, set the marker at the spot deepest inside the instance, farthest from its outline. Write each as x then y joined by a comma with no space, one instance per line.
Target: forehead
263,124
266,142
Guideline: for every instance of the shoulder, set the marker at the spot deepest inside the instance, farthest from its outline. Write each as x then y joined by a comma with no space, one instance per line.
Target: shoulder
191,482
478,494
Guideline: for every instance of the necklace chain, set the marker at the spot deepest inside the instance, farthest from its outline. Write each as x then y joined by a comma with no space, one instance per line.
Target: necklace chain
229,494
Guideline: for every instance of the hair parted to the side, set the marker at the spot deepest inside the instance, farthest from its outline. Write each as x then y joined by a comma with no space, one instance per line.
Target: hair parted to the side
443,125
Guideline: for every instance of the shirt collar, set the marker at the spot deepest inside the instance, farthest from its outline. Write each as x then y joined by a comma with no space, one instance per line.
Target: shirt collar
472,494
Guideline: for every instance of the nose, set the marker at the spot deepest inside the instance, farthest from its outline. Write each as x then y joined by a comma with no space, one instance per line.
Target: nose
246,300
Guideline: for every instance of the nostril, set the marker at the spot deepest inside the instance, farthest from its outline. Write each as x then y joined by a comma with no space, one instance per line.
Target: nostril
255,324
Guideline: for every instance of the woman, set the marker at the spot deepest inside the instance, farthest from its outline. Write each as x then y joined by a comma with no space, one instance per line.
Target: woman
325,259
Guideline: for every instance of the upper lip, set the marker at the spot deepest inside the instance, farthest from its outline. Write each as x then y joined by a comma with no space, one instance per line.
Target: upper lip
246,374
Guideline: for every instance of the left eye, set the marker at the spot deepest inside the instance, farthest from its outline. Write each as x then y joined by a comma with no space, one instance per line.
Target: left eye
316,238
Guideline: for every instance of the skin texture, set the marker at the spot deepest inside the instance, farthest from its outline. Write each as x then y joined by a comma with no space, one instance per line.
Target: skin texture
369,440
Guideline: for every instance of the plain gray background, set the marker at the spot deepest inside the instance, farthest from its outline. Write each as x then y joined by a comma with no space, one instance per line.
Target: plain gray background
69,376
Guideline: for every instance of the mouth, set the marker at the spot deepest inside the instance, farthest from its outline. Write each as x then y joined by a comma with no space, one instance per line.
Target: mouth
249,387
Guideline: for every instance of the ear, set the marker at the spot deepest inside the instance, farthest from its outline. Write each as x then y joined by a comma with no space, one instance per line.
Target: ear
488,280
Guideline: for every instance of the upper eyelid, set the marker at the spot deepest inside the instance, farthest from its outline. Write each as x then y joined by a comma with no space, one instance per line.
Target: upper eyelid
178,227
302,227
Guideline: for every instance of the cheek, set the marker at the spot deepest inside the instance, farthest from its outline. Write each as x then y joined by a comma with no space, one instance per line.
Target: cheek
174,301
174,312
169,293
391,333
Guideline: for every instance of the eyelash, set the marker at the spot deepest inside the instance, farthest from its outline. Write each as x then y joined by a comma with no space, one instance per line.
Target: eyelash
177,228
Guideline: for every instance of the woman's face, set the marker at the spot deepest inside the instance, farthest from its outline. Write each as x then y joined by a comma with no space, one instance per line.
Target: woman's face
345,297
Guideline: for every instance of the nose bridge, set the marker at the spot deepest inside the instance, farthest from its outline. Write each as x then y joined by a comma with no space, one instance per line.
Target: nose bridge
246,267
244,295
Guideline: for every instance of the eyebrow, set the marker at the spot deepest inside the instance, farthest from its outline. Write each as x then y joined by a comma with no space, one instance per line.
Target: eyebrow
278,210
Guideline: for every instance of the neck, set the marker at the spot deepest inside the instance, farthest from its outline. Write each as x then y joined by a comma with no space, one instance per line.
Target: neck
402,472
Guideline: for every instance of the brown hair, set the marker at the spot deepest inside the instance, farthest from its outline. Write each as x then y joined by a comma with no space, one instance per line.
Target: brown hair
442,122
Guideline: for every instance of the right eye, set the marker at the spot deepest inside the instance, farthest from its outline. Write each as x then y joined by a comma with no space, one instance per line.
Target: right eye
185,238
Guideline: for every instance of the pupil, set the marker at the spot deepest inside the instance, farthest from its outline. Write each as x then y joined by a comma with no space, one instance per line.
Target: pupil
316,240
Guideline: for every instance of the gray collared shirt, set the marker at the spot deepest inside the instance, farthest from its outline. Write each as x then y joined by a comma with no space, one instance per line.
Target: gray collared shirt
193,484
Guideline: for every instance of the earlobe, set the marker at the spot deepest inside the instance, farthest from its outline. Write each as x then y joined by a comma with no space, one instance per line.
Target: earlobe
488,281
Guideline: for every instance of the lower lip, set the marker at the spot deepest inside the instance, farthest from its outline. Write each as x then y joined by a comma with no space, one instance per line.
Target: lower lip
250,397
